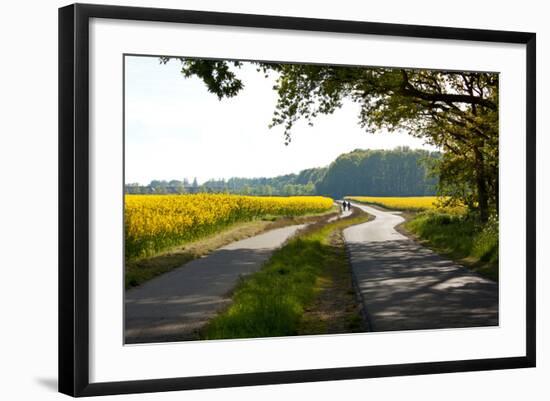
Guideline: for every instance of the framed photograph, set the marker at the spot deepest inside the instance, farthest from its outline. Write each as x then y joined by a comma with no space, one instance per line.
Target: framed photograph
251,199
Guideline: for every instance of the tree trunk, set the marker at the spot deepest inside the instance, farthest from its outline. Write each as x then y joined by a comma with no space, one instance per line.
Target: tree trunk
497,195
482,195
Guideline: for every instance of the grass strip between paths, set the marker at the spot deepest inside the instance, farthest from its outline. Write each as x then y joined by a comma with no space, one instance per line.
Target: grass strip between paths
274,301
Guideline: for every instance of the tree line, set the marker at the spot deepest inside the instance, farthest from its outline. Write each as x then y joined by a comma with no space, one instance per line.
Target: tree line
398,172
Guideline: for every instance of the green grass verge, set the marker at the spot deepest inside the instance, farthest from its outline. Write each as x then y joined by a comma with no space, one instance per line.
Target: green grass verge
461,238
271,302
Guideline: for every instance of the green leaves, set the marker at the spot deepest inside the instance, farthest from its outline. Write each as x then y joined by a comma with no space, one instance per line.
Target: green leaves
455,110
216,74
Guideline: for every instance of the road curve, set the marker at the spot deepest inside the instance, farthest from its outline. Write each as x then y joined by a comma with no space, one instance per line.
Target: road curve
173,306
405,286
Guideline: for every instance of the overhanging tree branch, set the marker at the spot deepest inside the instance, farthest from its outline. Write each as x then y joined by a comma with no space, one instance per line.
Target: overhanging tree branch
407,89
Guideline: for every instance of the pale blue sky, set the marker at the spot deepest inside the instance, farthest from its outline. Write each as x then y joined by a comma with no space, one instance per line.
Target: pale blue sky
176,129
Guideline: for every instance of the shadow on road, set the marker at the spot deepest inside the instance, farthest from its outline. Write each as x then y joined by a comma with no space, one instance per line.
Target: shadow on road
408,287
174,306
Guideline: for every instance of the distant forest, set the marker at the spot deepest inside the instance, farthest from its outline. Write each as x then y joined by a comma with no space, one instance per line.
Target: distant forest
397,172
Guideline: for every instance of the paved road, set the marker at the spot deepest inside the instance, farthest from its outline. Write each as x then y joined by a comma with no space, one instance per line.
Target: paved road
173,306
405,286
343,213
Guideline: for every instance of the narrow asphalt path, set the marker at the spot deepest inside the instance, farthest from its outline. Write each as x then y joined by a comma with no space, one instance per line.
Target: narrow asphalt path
405,286
343,213
173,306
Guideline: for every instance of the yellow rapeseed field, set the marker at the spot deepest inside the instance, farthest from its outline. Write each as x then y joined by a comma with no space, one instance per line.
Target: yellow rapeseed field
413,203
156,222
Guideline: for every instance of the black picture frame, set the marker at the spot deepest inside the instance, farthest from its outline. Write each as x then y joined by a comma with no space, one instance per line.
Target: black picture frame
74,198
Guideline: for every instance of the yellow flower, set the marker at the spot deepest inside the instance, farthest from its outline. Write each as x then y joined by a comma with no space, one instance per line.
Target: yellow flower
156,222
414,203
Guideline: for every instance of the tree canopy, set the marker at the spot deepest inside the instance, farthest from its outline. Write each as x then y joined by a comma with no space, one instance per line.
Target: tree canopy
454,110
397,172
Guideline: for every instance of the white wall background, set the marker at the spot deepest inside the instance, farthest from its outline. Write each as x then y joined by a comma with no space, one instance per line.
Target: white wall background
28,200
